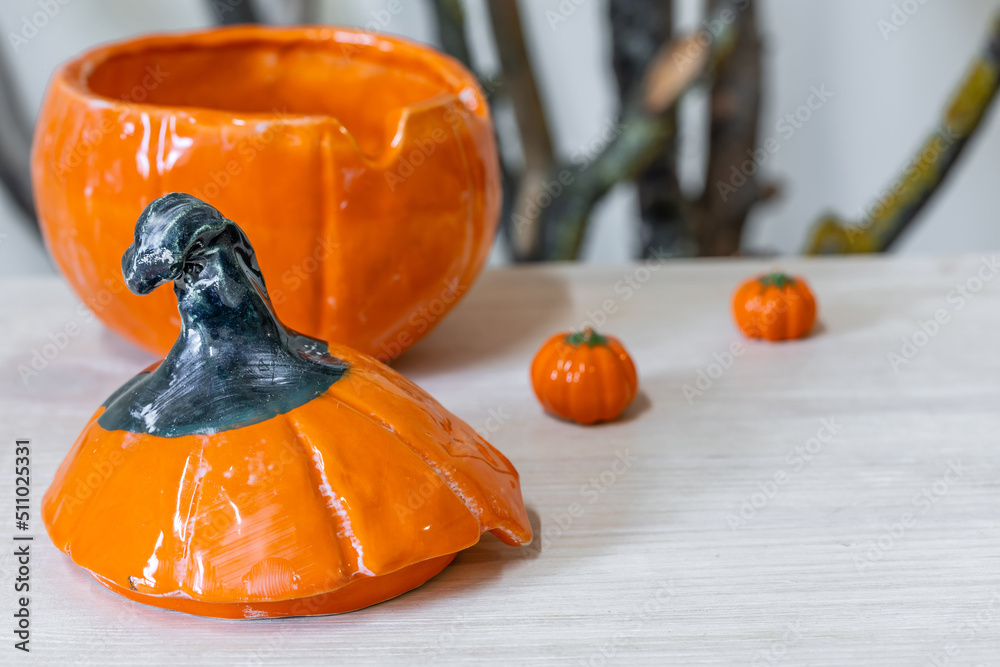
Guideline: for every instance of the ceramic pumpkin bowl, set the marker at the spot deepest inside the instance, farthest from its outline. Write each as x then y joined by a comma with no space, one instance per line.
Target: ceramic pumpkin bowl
364,167
257,472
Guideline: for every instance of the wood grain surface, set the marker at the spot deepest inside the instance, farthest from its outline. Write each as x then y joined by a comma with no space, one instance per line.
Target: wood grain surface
818,502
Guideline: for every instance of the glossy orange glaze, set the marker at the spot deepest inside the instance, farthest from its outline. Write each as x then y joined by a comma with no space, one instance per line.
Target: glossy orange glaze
342,497
361,593
774,311
364,167
584,382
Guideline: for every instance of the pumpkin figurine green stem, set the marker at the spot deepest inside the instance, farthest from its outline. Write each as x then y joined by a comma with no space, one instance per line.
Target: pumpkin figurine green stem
777,278
587,337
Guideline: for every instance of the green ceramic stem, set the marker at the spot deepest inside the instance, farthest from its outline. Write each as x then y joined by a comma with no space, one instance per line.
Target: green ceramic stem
587,337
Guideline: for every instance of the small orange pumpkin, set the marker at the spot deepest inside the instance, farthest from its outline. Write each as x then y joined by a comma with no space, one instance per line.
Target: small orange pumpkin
584,377
774,306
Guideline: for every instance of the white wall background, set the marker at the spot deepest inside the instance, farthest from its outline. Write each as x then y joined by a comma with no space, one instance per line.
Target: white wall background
887,95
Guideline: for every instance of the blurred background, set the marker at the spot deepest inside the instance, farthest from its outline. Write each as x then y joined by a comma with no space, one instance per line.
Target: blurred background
874,78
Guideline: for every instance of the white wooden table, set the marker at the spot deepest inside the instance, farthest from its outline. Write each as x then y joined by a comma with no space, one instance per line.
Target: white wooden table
813,505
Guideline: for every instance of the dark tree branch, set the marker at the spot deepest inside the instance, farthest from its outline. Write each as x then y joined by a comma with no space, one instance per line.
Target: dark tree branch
647,124
639,29
536,144
232,12
450,18
721,213
15,145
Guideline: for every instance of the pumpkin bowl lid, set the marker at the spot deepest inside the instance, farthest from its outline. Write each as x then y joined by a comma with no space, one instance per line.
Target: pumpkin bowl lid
256,464
372,476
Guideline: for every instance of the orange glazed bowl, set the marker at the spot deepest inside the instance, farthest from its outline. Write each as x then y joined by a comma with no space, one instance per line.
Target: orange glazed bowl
363,166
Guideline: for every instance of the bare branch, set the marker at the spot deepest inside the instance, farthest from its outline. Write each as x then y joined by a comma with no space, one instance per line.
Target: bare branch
536,143
232,12
646,127
923,176
720,215
450,19
639,29
15,145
